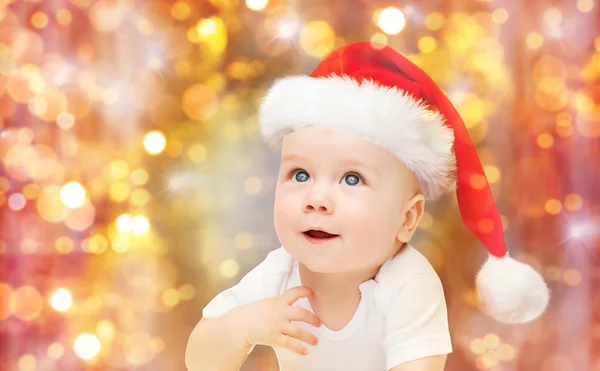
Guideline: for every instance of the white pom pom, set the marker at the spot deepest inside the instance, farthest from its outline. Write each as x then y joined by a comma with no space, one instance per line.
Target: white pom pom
510,291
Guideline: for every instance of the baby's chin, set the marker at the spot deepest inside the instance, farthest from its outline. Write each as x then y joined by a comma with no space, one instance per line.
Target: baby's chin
320,264
321,267
315,263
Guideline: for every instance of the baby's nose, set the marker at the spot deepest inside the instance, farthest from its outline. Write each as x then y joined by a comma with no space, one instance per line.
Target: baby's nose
318,201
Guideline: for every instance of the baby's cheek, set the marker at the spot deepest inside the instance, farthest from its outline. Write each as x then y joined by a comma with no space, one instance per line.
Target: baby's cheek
362,224
282,207
366,237
359,237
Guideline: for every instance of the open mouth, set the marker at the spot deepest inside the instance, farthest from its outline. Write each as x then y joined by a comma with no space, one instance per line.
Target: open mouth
316,237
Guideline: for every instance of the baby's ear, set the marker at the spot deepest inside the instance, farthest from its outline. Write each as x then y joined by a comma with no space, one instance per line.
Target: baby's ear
415,207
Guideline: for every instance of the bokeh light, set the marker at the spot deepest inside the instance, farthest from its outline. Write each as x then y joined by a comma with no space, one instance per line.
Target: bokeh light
26,303
65,120
55,351
106,330
64,245
27,362
257,4
72,195
16,201
61,300
317,38
124,223
154,142
181,10
573,202
434,21
64,17
206,27
140,225
139,177
39,20
391,20
229,268
87,346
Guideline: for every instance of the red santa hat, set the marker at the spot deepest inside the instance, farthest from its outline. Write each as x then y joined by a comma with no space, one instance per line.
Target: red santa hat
374,92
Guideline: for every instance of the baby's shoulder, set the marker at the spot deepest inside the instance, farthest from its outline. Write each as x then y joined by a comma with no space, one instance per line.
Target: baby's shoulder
278,261
263,281
407,272
275,271
407,262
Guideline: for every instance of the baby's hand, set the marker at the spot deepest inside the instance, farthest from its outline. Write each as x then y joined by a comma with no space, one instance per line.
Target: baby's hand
268,321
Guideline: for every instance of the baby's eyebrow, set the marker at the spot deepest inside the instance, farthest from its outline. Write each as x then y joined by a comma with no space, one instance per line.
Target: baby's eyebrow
289,158
358,163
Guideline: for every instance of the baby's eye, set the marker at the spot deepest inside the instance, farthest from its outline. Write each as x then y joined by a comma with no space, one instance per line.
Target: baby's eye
300,176
352,179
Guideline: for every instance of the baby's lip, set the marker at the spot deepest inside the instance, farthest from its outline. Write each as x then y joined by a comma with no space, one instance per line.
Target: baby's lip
317,229
320,230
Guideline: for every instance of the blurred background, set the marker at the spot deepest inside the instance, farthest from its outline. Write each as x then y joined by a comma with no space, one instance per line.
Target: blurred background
134,185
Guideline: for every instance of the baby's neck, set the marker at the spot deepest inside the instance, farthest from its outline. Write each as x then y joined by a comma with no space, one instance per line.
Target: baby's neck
335,285
337,295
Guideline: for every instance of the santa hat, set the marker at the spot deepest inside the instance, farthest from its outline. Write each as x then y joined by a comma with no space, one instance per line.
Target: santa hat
374,92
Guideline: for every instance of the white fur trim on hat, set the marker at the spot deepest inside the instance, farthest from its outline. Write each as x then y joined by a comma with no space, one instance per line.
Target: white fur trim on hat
510,291
386,116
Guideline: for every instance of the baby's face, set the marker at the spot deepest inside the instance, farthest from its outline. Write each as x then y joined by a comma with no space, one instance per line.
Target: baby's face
346,186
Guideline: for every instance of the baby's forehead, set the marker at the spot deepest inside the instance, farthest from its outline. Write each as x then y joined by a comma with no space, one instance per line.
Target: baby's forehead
325,146
308,155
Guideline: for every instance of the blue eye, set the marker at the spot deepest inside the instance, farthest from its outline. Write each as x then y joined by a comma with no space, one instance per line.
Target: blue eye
301,176
352,179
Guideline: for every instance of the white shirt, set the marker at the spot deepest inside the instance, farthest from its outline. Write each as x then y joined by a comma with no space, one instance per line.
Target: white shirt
401,316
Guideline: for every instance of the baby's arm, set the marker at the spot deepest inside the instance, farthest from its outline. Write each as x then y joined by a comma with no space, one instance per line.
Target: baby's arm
433,363
222,343
217,344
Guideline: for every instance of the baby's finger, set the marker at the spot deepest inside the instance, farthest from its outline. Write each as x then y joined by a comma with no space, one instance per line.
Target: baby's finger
304,315
288,343
299,333
295,293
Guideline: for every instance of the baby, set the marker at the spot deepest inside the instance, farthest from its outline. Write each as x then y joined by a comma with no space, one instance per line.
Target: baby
365,140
